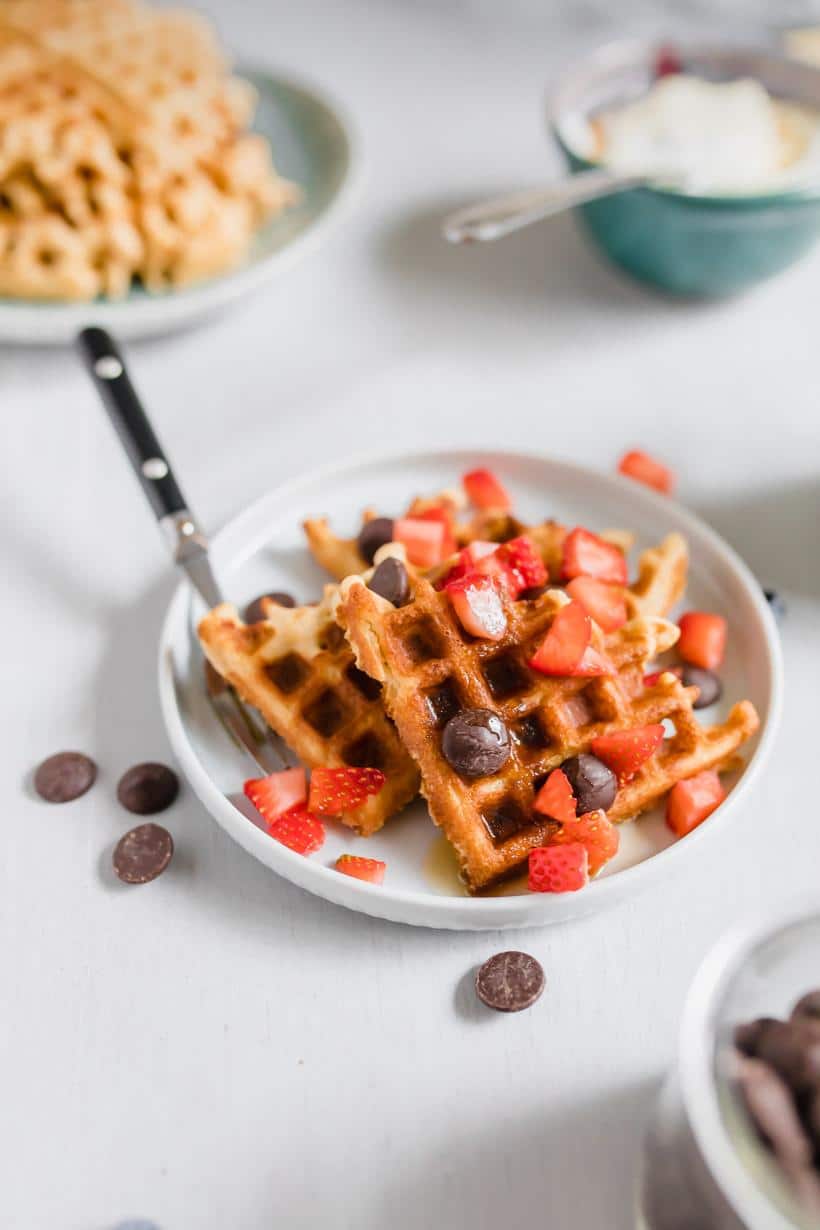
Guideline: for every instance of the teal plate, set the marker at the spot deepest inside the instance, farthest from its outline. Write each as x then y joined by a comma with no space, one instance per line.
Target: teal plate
312,145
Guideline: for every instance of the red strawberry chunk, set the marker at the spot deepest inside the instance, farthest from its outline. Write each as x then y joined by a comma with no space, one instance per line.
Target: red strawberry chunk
555,798
558,869
299,830
605,603
702,639
593,663
692,801
277,793
425,541
486,491
444,514
333,791
564,646
624,751
469,560
645,469
522,558
597,834
587,555
370,869
477,603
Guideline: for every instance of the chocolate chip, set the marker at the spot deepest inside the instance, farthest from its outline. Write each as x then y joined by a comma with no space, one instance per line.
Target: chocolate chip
710,689
476,743
374,534
792,1048
254,611
778,606
593,783
64,777
148,788
143,854
509,981
748,1035
772,1108
808,1007
390,580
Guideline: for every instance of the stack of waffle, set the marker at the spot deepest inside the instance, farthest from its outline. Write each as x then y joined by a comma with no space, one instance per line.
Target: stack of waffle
357,680
124,151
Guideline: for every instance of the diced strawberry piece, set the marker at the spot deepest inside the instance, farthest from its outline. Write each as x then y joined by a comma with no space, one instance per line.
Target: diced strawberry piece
486,491
563,648
624,751
645,469
277,793
596,833
477,603
425,541
605,603
299,830
479,549
690,802
521,556
370,869
587,555
494,566
592,664
469,560
558,869
702,639
333,791
555,798
443,514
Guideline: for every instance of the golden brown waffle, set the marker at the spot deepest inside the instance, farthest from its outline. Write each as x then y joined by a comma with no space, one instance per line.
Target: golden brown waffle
662,570
123,150
430,669
296,668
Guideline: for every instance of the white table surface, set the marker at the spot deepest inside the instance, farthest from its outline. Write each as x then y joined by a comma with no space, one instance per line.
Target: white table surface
219,1049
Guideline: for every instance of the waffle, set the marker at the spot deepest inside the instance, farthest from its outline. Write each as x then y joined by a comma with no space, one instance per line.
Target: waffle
662,570
296,668
430,668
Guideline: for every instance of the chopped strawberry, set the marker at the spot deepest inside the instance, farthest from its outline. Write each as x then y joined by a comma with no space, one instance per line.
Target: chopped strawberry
333,791
690,802
605,603
650,680
468,560
592,664
597,834
443,514
370,869
477,603
644,469
563,648
587,555
522,558
555,798
485,490
558,869
624,751
702,639
277,793
425,541
299,830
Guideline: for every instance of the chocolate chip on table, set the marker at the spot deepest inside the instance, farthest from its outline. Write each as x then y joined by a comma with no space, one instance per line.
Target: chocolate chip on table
772,1108
710,689
509,981
593,783
808,1007
390,581
143,854
374,534
64,776
254,611
148,788
778,606
476,743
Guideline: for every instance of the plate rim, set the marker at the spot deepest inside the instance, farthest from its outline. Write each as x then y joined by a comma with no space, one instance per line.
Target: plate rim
31,322
457,912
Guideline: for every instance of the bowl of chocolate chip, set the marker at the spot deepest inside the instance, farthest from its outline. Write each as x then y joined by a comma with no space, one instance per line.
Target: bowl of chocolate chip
734,1143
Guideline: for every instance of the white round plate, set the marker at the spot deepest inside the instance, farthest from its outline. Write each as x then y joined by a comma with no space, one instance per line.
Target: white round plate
312,145
264,549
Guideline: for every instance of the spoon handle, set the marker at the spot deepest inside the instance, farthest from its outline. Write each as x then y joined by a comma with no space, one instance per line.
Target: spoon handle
501,215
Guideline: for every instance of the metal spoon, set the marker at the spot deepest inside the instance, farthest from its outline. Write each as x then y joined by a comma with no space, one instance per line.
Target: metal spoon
501,215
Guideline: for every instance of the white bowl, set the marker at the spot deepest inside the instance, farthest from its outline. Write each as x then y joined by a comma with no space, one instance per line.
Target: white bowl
263,549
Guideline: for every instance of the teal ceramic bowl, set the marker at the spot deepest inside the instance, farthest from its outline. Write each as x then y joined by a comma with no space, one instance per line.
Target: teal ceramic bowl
700,246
